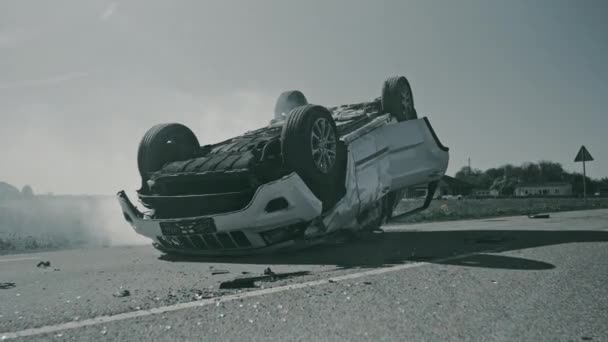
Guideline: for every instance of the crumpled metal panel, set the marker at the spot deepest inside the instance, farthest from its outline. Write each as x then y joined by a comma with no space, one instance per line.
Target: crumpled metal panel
376,123
344,213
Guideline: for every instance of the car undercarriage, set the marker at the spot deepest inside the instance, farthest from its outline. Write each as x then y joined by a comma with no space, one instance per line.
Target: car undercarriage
311,172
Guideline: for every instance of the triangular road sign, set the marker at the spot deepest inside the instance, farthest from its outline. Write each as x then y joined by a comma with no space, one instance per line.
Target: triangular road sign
583,155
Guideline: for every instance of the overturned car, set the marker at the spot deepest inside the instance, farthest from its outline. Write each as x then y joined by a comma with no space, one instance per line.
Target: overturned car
312,172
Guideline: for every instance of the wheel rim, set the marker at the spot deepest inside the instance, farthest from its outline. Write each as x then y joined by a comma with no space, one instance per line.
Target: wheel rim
323,145
406,99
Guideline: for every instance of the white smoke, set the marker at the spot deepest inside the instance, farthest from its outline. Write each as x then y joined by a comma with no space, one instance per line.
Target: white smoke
99,157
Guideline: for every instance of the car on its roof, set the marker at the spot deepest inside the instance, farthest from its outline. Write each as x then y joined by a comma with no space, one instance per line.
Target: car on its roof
312,172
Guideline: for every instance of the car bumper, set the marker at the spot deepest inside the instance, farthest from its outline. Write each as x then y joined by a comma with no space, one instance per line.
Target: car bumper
249,230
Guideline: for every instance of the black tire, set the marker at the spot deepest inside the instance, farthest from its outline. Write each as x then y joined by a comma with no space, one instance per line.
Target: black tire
321,170
165,143
397,98
287,101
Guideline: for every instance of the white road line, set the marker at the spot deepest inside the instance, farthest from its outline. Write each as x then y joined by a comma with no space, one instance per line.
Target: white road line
16,259
181,306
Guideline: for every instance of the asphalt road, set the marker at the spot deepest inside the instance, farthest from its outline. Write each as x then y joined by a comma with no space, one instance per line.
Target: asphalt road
507,279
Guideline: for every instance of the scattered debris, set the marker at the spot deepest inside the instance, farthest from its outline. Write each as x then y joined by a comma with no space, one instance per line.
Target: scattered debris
198,295
122,293
44,264
249,282
539,216
216,272
6,286
239,283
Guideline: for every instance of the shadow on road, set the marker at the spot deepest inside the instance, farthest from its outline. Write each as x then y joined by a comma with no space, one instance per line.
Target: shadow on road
392,247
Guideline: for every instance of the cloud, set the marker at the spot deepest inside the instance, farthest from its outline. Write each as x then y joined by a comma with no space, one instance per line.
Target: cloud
45,81
14,37
109,11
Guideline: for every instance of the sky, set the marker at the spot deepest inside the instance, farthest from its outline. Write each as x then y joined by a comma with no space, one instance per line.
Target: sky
501,81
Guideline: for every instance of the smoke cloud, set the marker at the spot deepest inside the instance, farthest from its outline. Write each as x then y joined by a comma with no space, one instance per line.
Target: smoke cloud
99,157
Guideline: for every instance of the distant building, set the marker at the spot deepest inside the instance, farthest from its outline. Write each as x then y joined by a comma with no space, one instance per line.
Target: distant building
603,192
448,186
544,189
485,193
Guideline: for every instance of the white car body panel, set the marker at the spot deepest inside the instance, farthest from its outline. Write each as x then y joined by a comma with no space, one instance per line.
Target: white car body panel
382,156
303,206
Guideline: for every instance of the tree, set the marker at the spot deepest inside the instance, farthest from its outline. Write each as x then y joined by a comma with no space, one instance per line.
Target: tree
506,177
475,177
505,186
551,172
27,192
494,173
530,173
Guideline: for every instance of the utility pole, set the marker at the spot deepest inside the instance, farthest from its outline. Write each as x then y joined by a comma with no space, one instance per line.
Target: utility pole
584,181
583,156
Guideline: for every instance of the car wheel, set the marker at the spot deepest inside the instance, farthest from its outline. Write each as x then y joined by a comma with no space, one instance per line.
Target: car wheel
309,143
397,99
287,101
165,143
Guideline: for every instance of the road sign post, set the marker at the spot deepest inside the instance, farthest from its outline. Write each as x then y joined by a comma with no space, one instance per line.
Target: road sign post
583,156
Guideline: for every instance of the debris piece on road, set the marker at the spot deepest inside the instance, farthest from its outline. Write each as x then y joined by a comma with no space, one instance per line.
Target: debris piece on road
539,216
44,264
249,282
122,293
216,272
6,286
239,283
198,295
